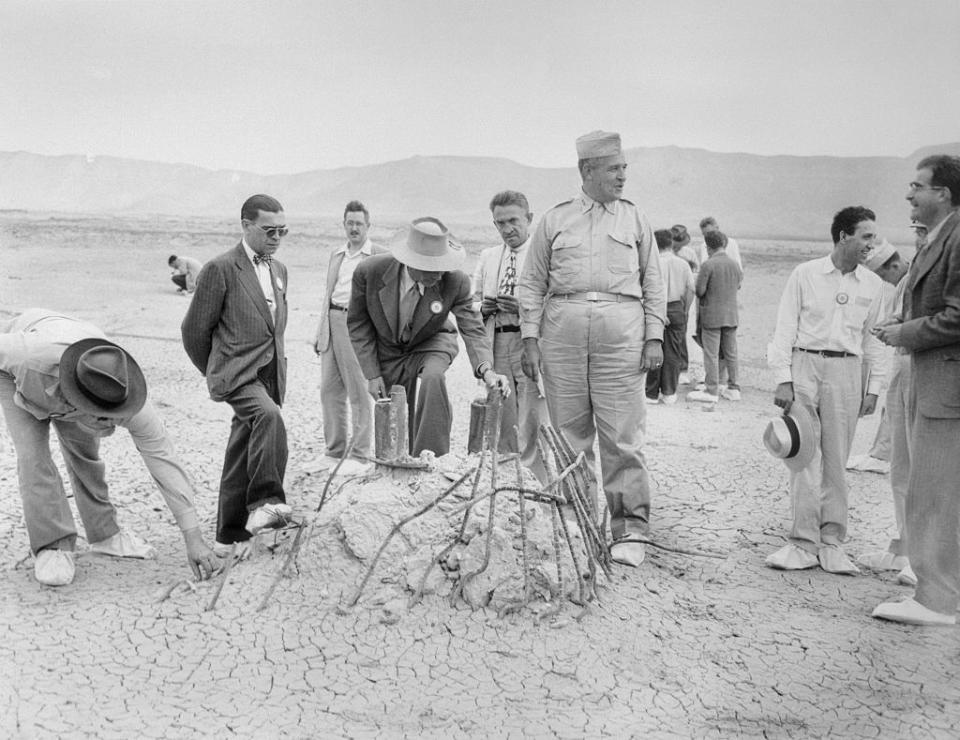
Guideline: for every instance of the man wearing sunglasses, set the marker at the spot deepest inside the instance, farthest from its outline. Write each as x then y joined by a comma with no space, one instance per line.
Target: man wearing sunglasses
233,334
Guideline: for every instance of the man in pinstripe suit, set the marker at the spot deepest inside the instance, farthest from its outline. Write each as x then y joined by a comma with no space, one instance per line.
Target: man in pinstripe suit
233,333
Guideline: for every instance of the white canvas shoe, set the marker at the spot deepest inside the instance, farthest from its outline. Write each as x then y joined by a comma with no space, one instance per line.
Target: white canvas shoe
124,545
791,557
907,577
54,567
702,397
628,553
268,516
884,560
669,400
730,394
684,379
833,559
910,611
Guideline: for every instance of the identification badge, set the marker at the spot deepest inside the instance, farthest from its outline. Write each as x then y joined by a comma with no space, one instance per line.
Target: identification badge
279,283
862,300
436,307
842,299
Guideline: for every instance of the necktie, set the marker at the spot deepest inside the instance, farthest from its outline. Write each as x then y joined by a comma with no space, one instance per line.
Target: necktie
408,305
508,283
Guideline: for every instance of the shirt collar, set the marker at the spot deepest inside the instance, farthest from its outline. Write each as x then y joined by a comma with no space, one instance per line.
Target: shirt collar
586,203
828,267
249,252
520,248
366,249
407,282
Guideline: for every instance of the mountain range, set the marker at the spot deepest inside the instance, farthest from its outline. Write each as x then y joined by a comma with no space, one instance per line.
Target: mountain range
750,195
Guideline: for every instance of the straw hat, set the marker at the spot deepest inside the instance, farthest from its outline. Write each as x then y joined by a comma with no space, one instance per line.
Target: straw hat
100,378
429,247
790,437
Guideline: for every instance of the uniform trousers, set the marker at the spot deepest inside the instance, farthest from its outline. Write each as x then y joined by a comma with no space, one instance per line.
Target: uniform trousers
341,380
899,423
591,352
830,386
665,378
524,411
46,511
933,509
429,416
256,458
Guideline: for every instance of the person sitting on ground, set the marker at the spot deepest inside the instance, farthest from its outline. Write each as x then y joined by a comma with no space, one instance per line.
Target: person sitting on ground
186,270
717,284
60,371
399,323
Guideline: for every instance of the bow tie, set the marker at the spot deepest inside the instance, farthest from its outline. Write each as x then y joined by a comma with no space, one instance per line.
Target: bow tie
262,259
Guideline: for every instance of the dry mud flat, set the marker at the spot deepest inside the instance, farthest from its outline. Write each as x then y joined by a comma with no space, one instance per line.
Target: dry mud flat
680,647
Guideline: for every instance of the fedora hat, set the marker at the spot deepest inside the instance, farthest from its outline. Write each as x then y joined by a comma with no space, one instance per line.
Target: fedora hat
790,437
428,246
100,378
678,233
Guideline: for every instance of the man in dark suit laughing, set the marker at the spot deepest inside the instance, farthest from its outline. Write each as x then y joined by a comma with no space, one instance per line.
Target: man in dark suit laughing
233,333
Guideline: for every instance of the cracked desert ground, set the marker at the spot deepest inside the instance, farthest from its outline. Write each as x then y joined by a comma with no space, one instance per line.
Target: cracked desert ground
681,647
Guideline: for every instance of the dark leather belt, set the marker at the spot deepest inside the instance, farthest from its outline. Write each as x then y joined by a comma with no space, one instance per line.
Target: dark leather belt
335,307
825,352
506,328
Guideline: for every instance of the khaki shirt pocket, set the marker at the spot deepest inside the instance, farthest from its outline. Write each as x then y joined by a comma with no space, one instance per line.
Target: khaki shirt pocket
622,257
567,258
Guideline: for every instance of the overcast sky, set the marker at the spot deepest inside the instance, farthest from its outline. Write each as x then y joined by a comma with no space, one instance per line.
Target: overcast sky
275,87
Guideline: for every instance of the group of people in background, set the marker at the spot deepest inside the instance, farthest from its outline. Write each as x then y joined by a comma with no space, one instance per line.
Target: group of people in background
579,322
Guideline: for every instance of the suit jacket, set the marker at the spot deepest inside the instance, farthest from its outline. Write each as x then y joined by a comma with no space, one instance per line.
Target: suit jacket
228,332
717,284
333,270
931,329
486,283
374,322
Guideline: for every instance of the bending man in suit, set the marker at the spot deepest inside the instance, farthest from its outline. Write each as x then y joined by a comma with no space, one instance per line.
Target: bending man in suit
929,330
400,328
233,333
341,379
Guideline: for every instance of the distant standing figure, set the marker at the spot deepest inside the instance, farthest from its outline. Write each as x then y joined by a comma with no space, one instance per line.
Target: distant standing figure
495,283
233,334
827,311
732,249
57,371
681,247
678,281
717,284
347,406
186,271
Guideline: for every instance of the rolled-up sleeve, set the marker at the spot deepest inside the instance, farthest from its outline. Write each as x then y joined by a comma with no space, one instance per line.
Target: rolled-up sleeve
156,448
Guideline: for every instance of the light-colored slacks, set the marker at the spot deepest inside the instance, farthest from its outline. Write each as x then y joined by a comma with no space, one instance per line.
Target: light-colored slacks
899,423
524,409
818,493
46,510
591,353
341,380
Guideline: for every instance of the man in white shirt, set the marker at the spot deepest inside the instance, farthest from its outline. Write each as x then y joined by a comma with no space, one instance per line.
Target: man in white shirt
827,311
495,294
347,407
707,225
678,281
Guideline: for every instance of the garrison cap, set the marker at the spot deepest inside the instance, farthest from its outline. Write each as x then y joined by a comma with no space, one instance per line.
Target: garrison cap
598,144
879,255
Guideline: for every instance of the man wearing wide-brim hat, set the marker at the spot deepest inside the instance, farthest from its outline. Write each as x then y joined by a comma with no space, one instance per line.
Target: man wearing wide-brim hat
399,323
592,309
60,371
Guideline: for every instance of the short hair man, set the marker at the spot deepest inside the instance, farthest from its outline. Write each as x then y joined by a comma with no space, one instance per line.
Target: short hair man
400,328
930,332
233,334
718,281
343,389
60,371
185,272
593,306
708,224
495,294
827,311
678,283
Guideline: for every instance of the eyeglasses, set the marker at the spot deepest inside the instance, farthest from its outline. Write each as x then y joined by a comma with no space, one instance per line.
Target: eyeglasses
273,231
915,186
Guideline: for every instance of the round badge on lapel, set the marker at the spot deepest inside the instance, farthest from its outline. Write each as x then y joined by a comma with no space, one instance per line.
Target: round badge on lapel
436,307
279,283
